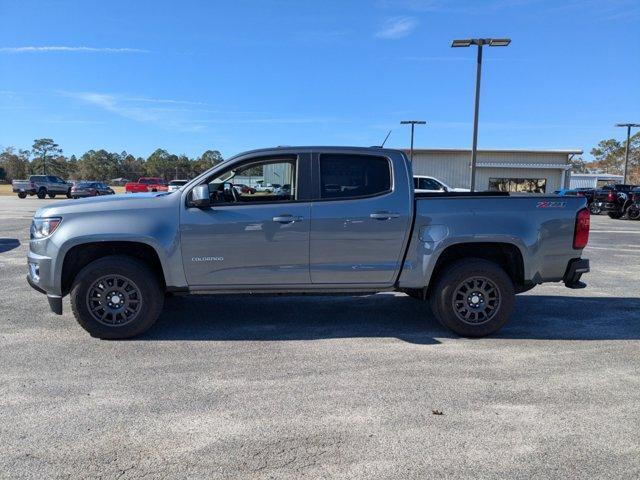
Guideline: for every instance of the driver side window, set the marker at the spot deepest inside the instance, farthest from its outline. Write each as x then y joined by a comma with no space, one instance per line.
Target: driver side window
266,181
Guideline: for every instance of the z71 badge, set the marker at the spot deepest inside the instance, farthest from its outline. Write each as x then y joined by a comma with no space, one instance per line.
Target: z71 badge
548,204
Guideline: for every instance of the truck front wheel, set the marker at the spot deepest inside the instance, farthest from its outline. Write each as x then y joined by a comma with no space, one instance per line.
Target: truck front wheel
473,297
42,193
116,297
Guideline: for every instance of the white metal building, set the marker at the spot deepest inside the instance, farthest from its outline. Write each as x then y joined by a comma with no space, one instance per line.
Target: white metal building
593,180
542,171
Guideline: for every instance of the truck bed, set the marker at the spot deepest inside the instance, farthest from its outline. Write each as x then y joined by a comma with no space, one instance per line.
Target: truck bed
540,227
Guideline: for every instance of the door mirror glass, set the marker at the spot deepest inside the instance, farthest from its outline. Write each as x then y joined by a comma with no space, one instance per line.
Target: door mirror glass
200,196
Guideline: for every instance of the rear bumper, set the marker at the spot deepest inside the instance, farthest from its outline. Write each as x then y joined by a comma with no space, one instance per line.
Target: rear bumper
575,269
607,206
30,191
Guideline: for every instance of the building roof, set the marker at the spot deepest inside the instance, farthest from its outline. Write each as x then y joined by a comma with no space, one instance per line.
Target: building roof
574,151
597,175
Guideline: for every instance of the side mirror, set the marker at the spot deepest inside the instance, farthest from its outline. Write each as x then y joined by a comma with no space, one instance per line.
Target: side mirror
200,196
445,189
227,186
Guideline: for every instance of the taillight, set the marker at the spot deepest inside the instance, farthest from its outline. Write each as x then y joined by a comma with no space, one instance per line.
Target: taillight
581,233
610,196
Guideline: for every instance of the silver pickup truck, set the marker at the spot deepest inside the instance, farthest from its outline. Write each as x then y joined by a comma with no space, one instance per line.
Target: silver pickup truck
351,223
42,185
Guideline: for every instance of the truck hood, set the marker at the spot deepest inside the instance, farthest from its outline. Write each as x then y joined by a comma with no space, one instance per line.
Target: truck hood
133,201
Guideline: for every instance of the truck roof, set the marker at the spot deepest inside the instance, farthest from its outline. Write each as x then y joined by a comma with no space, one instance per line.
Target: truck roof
318,148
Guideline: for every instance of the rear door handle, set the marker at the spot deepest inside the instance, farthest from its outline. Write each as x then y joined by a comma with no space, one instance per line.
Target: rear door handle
287,219
384,215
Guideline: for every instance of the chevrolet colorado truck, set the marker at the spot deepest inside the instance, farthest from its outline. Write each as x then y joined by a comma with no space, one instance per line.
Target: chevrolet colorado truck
351,223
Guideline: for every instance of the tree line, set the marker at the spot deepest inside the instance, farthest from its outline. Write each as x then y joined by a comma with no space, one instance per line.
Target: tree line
47,158
609,157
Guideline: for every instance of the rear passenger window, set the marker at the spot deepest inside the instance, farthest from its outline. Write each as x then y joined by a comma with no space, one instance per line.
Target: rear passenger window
350,176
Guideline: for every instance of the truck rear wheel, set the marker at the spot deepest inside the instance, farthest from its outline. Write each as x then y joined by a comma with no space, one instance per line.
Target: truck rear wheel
22,195
116,297
42,193
473,297
615,215
52,195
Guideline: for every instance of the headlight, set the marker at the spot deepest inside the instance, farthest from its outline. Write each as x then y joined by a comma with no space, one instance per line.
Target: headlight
44,227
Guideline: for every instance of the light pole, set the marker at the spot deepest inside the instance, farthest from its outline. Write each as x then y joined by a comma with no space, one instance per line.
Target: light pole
479,42
626,150
413,124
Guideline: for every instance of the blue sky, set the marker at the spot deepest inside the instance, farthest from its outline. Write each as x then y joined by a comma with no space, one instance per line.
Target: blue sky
192,75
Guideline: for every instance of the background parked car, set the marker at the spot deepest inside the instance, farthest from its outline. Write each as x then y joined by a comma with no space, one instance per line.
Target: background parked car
90,189
614,199
588,193
633,212
242,188
176,185
42,185
146,184
426,184
265,187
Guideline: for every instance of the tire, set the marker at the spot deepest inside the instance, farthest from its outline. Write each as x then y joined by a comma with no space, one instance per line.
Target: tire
144,287
615,215
42,193
69,193
22,195
448,287
594,209
634,212
52,195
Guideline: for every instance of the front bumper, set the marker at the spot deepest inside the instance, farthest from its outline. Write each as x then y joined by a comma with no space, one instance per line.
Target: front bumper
575,269
41,278
55,301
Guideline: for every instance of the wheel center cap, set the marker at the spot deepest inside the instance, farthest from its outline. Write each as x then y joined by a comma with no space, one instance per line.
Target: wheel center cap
475,299
115,299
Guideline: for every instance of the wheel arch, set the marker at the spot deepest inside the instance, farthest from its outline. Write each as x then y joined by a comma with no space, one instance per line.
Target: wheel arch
506,255
81,255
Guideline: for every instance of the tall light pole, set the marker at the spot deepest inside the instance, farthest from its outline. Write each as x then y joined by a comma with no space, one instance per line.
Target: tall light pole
413,124
479,42
626,150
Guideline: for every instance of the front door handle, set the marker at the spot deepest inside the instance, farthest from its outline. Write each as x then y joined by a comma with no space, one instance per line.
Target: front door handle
287,219
384,215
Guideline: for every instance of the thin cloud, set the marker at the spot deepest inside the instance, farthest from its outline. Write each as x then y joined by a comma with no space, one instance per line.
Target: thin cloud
134,109
397,27
58,48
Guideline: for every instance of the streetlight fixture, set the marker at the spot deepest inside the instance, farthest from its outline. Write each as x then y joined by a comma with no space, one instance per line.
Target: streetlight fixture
413,124
479,42
626,150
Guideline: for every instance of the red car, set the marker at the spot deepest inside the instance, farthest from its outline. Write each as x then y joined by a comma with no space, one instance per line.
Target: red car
146,184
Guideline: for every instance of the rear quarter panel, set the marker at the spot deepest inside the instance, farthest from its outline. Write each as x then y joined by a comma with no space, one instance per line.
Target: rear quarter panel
541,227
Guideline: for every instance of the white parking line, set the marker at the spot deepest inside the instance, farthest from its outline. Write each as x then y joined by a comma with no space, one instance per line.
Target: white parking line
614,231
614,249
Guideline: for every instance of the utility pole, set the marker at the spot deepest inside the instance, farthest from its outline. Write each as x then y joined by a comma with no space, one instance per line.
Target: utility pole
479,42
626,149
413,124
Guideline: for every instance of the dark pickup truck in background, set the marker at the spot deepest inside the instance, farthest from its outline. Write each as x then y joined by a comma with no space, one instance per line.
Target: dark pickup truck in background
614,200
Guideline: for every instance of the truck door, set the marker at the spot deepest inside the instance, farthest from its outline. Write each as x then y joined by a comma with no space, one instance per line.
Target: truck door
360,220
247,237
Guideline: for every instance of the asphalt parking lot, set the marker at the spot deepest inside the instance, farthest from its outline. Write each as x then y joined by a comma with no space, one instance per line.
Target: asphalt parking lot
330,387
